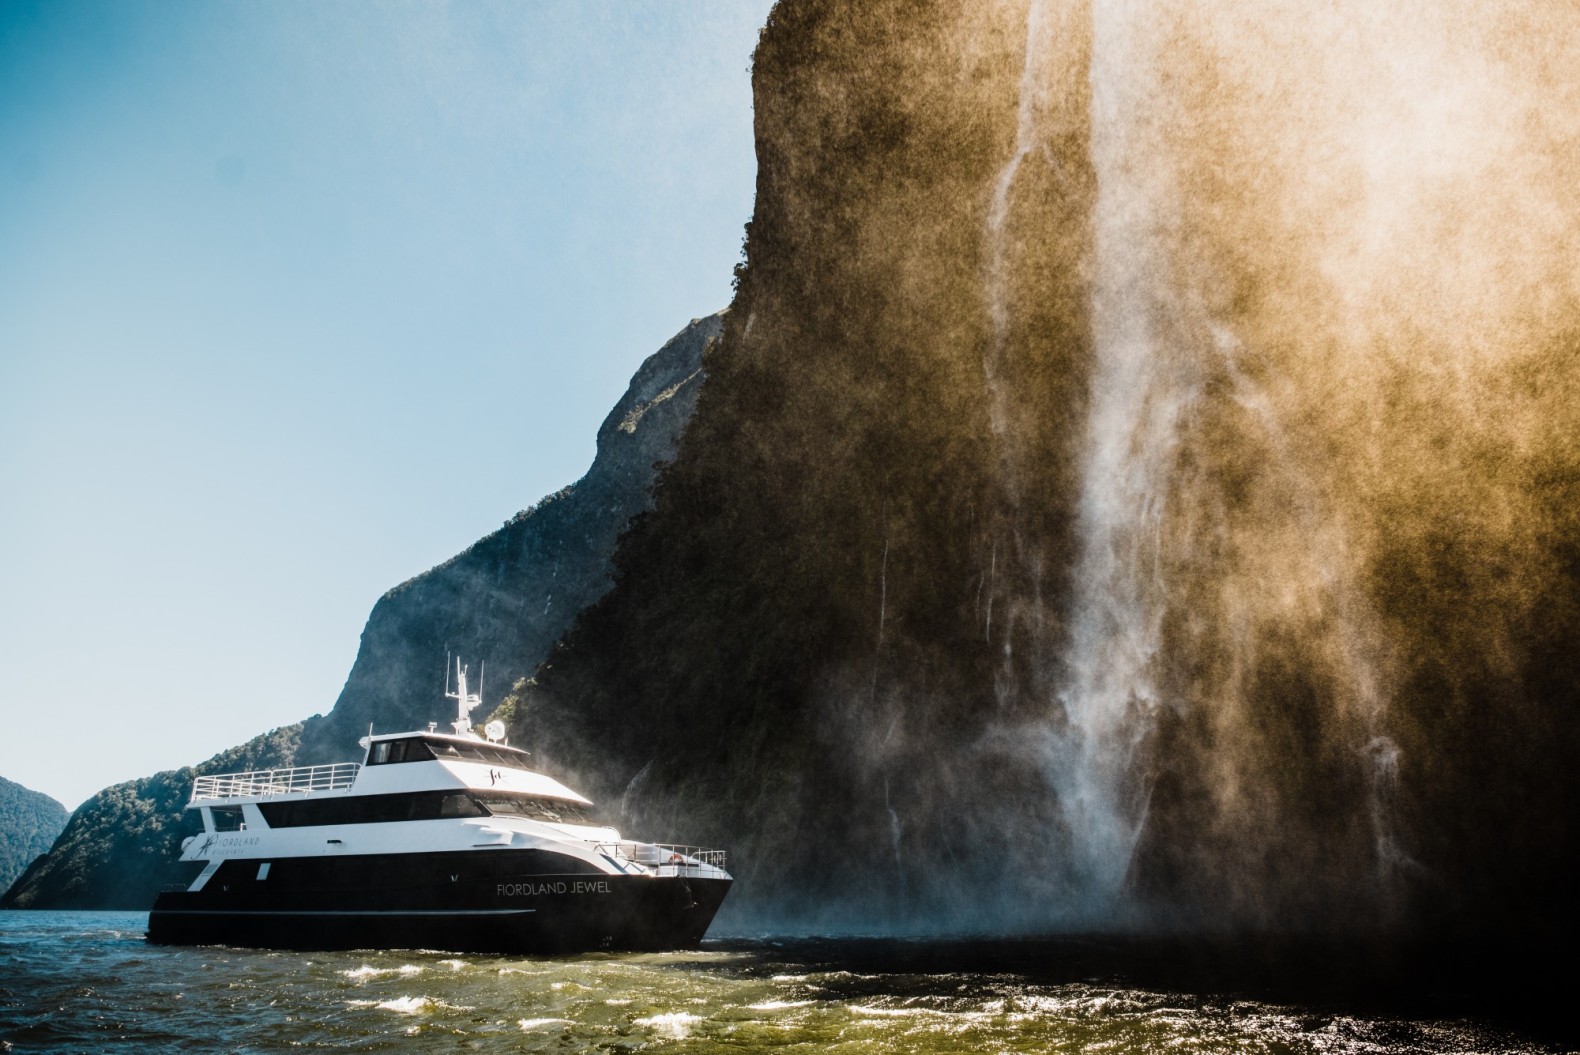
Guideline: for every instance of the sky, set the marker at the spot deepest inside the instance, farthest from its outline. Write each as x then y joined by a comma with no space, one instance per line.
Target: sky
298,300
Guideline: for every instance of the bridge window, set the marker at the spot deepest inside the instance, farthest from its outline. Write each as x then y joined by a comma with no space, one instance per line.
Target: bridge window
533,807
411,749
371,809
467,751
228,818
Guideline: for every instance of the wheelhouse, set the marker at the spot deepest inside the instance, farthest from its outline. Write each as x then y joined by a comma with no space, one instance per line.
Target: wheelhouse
431,747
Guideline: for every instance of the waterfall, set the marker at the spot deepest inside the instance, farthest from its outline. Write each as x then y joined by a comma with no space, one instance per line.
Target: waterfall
1143,381
1147,535
1027,140
1022,563
1139,389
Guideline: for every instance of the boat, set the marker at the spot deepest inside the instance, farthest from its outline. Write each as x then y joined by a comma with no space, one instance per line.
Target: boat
435,840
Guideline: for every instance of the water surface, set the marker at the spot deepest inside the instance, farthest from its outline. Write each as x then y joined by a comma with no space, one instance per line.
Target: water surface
88,982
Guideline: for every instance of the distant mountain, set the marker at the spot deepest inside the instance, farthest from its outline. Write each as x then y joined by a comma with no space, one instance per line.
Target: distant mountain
29,822
120,846
504,600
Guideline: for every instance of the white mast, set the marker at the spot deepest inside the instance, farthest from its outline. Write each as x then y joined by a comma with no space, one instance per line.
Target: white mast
464,701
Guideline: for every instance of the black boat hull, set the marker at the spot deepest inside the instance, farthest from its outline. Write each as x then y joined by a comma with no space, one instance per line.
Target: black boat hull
505,901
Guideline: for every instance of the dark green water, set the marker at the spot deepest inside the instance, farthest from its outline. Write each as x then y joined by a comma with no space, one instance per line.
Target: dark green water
87,982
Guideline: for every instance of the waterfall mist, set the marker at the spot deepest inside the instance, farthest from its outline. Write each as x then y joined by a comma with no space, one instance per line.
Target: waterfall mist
1138,483
1318,236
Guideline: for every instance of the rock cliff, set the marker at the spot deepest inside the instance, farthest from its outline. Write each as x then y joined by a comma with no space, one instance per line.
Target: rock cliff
508,597
1136,484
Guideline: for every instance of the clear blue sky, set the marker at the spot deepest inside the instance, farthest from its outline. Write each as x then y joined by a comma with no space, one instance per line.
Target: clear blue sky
298,300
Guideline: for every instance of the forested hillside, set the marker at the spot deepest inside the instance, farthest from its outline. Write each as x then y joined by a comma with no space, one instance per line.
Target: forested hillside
29,822
120,847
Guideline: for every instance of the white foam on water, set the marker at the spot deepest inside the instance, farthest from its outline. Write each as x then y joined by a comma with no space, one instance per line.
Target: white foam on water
366,971
676,1025
916,1012
529,1024
409,1005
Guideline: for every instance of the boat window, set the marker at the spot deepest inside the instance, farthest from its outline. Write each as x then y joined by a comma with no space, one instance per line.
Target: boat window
371,809
463,751
534,807
228,818
412,749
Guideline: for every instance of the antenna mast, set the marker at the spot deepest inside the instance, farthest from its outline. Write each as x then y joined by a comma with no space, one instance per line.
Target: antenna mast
464,701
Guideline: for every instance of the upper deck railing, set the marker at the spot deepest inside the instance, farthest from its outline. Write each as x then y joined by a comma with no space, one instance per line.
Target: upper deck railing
264,783
665,855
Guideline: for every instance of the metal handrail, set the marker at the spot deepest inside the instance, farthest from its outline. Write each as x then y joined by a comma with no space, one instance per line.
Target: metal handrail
665,855
266,783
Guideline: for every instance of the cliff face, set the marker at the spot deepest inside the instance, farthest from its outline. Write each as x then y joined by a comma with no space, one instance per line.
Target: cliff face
505,600
29,823
512,594
815,652
1136,483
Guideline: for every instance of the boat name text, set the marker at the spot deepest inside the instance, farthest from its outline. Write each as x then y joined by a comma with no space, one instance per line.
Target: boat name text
557,887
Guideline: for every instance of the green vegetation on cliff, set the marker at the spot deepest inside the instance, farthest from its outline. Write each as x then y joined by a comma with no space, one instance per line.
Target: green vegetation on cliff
29,823
799,658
